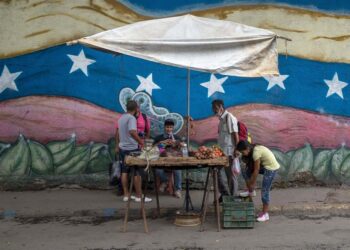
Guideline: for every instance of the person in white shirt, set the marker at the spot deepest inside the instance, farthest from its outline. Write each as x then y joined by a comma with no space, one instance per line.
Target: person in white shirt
227,141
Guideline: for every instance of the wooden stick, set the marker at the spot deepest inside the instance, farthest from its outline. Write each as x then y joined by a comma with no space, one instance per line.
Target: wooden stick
143,197
205,200
217,208
156,189
205,188
285,38
128,202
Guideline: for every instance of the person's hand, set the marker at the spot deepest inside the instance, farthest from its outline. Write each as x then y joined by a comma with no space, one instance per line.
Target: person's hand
167,142
236,153
141,144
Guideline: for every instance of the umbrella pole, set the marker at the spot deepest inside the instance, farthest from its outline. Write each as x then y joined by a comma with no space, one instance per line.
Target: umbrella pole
187,196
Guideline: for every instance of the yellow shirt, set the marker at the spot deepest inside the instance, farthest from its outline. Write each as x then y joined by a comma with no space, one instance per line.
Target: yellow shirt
266,157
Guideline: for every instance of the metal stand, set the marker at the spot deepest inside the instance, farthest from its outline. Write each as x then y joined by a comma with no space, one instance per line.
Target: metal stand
187,200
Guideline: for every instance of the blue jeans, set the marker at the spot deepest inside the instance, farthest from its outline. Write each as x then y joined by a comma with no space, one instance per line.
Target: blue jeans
177,178
268,176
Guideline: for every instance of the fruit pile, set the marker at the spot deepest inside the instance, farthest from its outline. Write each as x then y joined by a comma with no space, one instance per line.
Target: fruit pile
209,152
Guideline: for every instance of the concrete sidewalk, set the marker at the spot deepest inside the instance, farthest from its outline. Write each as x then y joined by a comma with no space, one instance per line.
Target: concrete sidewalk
76,202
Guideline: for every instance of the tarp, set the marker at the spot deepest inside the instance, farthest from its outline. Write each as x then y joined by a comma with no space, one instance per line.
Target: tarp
197,43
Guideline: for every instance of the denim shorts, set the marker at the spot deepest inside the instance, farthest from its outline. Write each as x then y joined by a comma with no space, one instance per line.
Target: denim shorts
122,155
268,176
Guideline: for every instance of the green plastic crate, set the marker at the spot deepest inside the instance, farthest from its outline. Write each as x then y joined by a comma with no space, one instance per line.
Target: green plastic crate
238,214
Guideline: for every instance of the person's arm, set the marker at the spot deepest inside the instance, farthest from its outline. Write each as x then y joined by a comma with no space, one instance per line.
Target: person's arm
148,135
254,176
117,141
148,125
136,137
235,138
132,127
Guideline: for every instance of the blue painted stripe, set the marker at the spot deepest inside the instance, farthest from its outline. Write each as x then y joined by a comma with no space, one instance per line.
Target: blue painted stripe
161,7
47,73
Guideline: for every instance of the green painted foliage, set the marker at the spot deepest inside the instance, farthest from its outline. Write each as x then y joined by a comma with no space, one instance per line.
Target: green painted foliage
111,147
284,161
345,170
15,160
301,161
96,149
100,163
61,150
322,164
77,163
42,162
4,146
337,160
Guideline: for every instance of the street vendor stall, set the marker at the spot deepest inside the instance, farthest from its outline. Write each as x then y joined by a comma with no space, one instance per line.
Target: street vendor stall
194,43
185,163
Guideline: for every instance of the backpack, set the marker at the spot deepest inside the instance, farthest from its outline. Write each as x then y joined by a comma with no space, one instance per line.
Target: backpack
243,133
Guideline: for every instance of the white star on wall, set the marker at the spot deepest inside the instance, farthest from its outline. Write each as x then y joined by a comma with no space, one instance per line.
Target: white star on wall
146,84
276,80
214,85
80,62
7,79
335,86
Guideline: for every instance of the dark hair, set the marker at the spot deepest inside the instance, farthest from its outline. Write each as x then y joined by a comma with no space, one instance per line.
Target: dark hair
169,122
243,145
217,103
131,105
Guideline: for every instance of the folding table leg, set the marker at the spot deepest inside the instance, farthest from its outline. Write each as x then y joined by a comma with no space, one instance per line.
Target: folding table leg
129,199
205,200
143,208
217,208
156,189
205,188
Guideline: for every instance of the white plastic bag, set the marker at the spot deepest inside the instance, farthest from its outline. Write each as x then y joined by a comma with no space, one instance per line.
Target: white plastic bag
236,166
114,173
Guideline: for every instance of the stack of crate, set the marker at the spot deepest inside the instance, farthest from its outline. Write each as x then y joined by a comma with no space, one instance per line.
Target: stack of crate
238,213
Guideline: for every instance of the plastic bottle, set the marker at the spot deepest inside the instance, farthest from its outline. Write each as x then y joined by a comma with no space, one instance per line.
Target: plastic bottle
184,150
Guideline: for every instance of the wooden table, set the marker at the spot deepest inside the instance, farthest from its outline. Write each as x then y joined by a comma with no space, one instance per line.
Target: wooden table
173,163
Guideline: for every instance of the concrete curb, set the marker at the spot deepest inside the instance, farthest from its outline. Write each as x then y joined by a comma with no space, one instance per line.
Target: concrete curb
98,216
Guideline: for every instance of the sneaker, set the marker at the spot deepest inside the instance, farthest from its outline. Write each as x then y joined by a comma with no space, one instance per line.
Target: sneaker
137,199
178,194
259,214
247,193
126,198
263,217
162,187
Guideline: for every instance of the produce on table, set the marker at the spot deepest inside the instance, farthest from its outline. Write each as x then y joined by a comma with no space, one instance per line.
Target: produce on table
209,152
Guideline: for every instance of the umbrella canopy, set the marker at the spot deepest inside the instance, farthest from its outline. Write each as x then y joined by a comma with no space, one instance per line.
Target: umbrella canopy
197,43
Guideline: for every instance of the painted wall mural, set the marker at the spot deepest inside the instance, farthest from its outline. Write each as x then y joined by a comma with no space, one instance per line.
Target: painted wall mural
59,104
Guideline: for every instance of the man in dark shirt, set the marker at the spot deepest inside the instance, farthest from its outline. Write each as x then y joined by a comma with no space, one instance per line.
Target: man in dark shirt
168,139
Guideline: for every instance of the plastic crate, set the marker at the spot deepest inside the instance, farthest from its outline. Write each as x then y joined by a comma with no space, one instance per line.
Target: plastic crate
238,213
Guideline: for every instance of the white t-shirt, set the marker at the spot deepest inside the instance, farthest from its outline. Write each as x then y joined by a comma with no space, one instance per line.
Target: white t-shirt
227,125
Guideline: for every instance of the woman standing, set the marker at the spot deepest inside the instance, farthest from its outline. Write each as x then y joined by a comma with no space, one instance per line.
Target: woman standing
259,159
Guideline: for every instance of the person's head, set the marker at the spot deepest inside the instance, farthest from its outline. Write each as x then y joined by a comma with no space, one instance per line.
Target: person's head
244,147
131,107
218,107
138,110
169,126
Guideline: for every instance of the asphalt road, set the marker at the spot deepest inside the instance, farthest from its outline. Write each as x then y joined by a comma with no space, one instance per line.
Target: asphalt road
316,232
